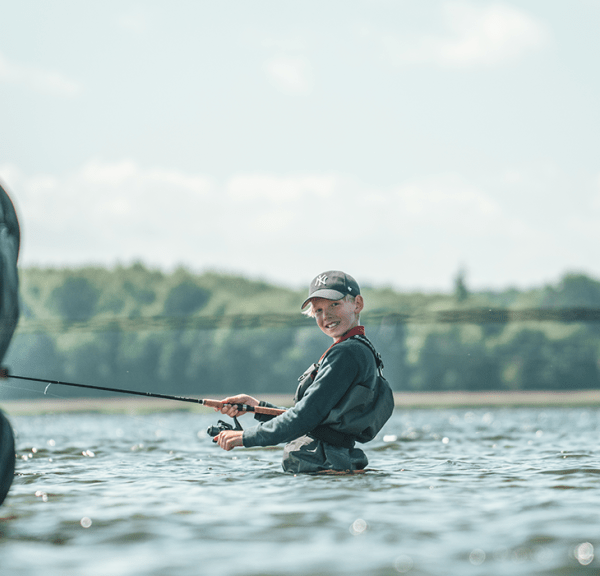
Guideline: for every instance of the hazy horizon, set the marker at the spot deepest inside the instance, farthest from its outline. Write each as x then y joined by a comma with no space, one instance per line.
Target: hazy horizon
398,141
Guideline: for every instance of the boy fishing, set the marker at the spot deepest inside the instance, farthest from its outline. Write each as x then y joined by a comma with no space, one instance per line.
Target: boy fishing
340,400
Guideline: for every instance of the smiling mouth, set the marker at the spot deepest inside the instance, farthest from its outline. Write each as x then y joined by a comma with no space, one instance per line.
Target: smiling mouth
331,325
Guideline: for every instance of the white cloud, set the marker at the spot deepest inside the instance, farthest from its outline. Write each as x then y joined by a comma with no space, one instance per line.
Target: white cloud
587,222
136,20
279,189
444,198
287,43
290,74
596,200
290,227
106,212
476,34
103,192
38,79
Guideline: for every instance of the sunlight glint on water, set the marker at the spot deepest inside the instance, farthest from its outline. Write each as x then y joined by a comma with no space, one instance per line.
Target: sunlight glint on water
491,492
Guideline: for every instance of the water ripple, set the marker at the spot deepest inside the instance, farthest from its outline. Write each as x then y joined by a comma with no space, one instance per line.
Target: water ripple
491,492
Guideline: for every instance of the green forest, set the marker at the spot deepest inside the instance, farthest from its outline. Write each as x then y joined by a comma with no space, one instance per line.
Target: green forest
213,333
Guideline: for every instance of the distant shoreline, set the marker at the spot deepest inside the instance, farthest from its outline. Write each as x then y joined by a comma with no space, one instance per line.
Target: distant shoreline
403,400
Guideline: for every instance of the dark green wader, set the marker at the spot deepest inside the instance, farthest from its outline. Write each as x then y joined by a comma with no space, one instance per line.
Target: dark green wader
10,237
7,457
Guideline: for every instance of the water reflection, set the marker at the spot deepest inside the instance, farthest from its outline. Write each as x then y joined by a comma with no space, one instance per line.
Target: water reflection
584,553
448,492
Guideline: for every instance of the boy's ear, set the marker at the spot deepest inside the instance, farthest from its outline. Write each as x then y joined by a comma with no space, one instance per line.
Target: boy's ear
360,303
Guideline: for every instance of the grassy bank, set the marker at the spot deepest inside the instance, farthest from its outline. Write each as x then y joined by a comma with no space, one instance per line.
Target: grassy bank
403,400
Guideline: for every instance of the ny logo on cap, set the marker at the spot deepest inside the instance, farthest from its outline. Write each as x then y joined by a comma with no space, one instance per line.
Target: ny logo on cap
322,279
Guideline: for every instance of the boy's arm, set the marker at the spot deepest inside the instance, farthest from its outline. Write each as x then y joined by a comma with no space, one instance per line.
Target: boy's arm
265,417
228,439
338,371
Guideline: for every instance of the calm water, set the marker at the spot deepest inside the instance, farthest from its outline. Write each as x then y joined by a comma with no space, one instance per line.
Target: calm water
453,492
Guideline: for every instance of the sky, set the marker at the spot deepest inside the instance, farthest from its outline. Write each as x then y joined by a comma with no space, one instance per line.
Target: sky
399,141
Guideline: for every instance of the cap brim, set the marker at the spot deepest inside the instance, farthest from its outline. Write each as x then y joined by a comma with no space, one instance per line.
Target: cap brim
328,294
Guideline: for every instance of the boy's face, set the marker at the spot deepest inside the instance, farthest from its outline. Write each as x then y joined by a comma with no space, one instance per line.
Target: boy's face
336,317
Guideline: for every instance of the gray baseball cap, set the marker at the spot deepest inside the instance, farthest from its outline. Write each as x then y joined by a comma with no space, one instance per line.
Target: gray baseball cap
333,285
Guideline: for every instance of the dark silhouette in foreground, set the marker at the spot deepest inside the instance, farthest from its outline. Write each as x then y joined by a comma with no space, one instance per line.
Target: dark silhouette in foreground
9,316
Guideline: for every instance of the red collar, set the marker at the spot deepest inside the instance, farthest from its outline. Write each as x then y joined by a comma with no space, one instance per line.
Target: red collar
356,331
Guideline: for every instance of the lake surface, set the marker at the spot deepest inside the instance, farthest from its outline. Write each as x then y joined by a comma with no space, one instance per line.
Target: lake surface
450,492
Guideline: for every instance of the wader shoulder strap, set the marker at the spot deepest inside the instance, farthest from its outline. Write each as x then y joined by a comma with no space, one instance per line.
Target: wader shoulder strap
378,359
310,374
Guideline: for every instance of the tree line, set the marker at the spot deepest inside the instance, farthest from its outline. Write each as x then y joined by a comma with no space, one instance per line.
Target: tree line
211,333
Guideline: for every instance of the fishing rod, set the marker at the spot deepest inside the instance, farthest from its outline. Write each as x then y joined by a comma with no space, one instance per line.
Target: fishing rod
203,401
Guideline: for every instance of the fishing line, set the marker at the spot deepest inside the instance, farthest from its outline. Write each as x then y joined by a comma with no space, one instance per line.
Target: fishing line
55,395
107,389
202,401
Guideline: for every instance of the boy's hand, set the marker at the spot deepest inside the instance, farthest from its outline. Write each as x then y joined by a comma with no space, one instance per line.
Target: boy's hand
232,411
229,439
